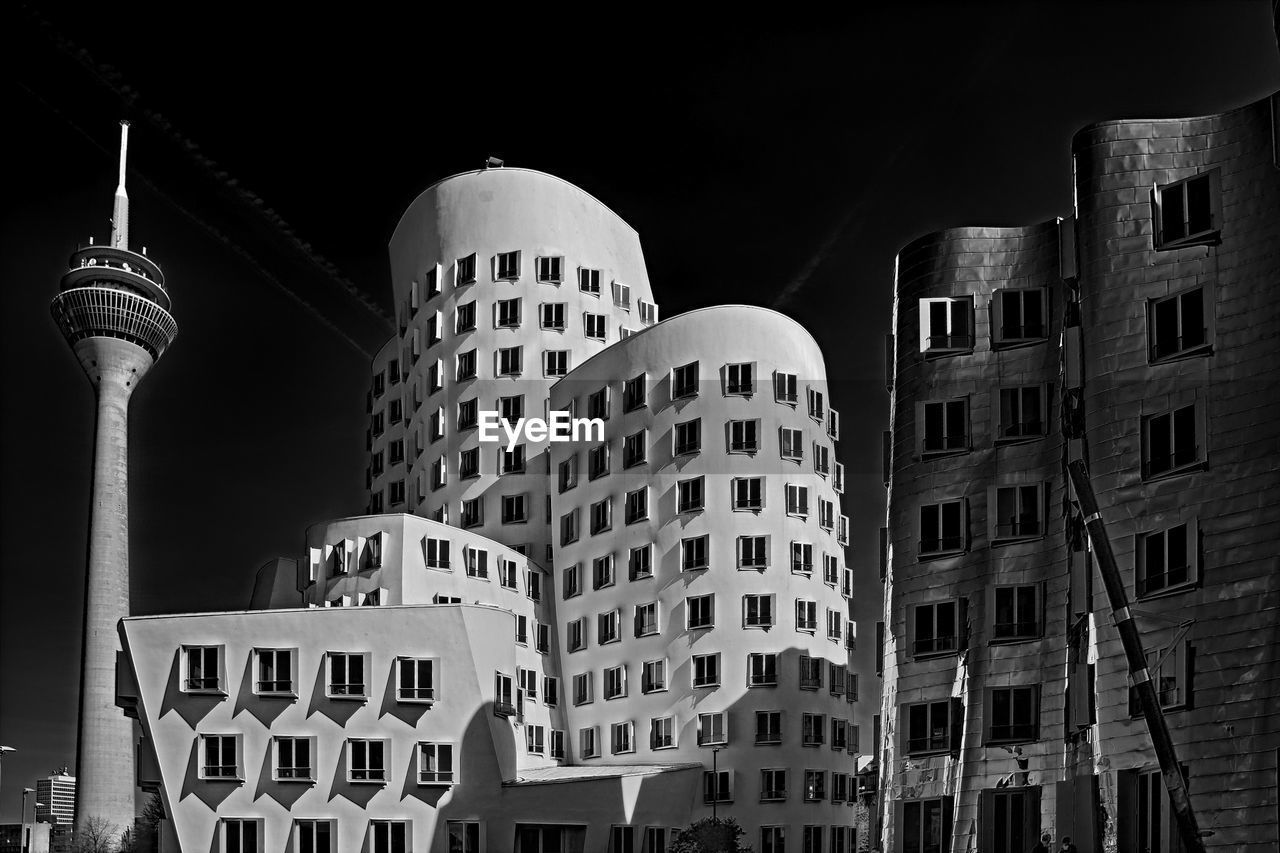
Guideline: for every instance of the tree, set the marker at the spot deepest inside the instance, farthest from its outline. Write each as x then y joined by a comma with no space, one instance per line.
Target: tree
710,835
96,834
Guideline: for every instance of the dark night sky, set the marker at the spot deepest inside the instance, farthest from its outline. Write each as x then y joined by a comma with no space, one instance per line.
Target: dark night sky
750,155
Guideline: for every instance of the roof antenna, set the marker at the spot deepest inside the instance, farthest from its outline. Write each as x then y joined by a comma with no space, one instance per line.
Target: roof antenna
120,214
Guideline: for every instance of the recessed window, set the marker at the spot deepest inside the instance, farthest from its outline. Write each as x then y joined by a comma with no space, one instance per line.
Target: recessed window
753,552
583,688
633,394
1188,212
589,742
813,728
791,443
810,673
797,500
602,572
436,552
942,528
713,729
347,675
934,628
637,505
507,314
572,581
589,281
1018,513
830,569
598,461
662,734
1018,316
366,760
392,836
1167,559
740,378
219,757
835,625
717,786
748,493
622,295
1179,325
314,836
744,436
274,672
477,562
785,388
615,682
1172,441
555,362
503,695
1012,714
467,413
768,727
646,619
757,610
416,681
635,449
802,558
690,494
946,325
943,426
551,689
762,669
826,514
436,764
549,269
688,437
432,284
551,316
601,515
684,381
466,365
240,835
598,403
1023,412
464,317
594,326
608,627
1017,612
511,460
653,677
694,552
557,744
506,266
569,527
472,514
700,611
622,738
577,635
567,477
203,666
648,312
466,270
816,406
510,361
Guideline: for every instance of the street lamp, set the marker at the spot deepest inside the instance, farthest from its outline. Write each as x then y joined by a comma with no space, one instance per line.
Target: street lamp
4,750
26,839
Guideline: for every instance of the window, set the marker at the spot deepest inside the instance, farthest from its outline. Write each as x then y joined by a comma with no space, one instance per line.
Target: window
1017,612
753,552
933,726
506,266
748,493
511,461
435,764
1018,316
762,669
926,825
713,729
646,619
472,512
589,281
548,269
240,835
568,477
532,584
653,677
837,676
218,754
1188,212
797,500
648,312
609,627
534,739
835,625
633,394
569,527
551,316
1167,559
542,640
506,573
417,680
768,727
815,785
622,295
706,670
622,738
662,733
204,668
392,836
811,837
717,786
346,675
806,615
1169,668
1017,513
1023,412
314,836
594,326
684,381
503,695
510,361
700,611
943,426
577,639
466,365
690,495
435,377
514,507
816,410
1013,714
557,744
773,839
555,362
739,378
791,443
826,513
274,671
942,528
589,742
810,673
366,760
477,562
934,628
833,424
640,562
1170,441
1009,819
507,314
688,437
598,403
571,581
466,270
602,572
598,461
757,610
437,553
693,553
583,688
635,449
784,388
464,317
379,384
1180,324
744,436
830,569
946,325
432,284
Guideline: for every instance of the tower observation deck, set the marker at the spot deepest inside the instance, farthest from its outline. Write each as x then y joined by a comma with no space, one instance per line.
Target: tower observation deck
113,310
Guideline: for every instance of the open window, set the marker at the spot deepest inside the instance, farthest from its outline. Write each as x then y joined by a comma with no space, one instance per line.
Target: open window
1188,212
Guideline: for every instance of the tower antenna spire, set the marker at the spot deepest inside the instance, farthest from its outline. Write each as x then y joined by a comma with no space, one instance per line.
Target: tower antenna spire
120,213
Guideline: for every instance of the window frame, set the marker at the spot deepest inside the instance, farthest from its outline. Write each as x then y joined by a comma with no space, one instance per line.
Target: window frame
1206,237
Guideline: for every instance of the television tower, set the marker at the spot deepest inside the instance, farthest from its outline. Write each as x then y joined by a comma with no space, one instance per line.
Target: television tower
114,312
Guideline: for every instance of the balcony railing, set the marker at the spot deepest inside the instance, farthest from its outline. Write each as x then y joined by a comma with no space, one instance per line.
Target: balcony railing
950,342
934,645
95,311
1156,581
1013,732
1172,345
942,443
941,545
1010,630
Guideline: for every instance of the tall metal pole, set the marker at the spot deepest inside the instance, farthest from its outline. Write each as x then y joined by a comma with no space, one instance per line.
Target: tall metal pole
26,839
1136,656
715,781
